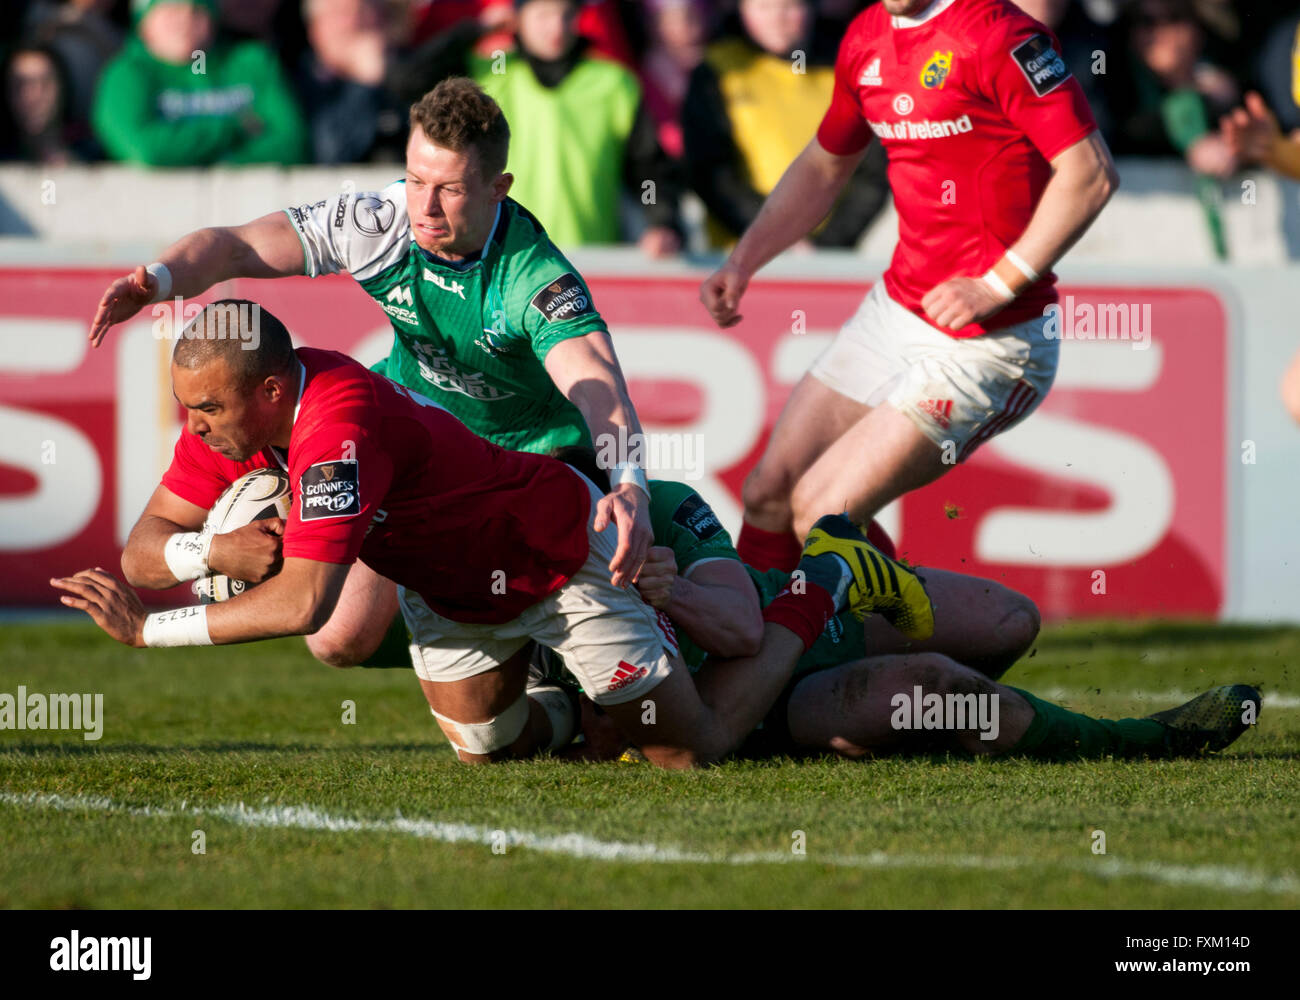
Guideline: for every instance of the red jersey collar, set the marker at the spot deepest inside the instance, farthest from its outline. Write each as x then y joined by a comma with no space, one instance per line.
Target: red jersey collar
936,8
282,457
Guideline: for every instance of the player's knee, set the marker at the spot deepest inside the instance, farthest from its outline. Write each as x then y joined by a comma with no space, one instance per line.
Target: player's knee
700,753
806,501
334,651
1020,625
767,489
699,747
475,758
1017,628
671,758
501,737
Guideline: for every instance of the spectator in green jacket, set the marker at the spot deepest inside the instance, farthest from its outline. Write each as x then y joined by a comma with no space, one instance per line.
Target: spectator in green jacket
178,96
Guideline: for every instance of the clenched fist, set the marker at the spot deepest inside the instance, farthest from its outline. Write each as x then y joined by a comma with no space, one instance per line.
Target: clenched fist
657,576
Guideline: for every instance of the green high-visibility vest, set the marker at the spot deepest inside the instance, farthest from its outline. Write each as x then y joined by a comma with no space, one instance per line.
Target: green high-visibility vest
567,143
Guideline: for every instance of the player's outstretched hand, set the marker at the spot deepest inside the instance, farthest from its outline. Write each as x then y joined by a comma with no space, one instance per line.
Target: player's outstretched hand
251,553
123,299
721,293
655,581
629,510
112,604
959,301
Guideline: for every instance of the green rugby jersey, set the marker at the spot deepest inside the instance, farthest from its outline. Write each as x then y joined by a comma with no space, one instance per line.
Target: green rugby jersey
473,338
683,522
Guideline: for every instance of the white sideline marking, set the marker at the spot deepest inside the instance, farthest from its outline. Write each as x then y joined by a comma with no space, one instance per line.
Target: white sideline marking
579,845
1168,698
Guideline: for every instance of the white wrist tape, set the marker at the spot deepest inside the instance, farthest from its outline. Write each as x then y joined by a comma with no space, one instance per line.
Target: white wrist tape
630,472
1000,287
187,552
164,277
182,627
1022,266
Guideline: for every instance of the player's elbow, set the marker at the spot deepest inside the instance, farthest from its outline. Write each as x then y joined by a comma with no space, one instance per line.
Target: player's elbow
135,569
1104,180
1109,182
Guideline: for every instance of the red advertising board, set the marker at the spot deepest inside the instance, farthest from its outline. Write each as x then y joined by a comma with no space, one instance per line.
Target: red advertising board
1108,501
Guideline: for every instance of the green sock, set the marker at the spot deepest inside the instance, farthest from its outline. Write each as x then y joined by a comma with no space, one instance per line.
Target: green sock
1059,734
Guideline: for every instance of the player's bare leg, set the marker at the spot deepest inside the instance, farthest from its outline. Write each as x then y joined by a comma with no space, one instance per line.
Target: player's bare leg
875,705
813,417
361,618
484,697
849,708
979,622
881,457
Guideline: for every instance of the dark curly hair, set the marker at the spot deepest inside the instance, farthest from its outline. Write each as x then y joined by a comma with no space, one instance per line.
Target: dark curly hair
458,115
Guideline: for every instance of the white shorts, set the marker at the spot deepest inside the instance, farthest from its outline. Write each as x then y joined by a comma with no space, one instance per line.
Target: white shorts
957,390
615,644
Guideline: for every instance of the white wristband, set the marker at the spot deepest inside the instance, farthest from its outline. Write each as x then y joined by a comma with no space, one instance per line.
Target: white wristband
159,270
187,552
1000,287
182,627
630,472
1022,266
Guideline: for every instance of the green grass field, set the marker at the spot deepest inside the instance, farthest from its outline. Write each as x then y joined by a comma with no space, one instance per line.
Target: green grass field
297,809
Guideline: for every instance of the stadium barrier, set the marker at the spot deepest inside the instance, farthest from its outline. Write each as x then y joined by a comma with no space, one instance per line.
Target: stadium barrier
1156,216
1157,479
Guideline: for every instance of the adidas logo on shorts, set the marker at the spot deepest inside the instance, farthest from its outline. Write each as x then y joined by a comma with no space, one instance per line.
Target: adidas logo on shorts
625,675
940,410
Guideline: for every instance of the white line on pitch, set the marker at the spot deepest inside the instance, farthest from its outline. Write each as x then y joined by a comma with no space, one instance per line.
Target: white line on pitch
580,845
1169,698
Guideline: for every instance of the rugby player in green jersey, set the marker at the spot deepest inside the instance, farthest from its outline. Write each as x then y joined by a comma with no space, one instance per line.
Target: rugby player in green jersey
489,319
870,690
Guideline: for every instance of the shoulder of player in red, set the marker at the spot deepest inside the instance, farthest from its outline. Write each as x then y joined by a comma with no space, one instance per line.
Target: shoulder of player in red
888,76
379,472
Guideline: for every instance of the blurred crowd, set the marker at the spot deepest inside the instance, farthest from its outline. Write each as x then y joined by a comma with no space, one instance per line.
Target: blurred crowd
617,107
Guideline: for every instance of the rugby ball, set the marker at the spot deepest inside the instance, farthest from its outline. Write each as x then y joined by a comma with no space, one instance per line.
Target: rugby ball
259,494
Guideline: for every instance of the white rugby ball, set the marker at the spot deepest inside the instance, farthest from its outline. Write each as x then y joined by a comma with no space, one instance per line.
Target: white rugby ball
255,496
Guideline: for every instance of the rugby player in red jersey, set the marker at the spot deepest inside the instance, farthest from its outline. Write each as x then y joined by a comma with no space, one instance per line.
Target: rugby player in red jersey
489,549
997,168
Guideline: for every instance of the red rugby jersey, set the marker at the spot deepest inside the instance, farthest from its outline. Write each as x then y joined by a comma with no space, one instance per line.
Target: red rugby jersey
381,474
971,100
